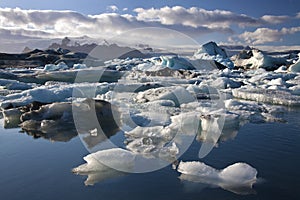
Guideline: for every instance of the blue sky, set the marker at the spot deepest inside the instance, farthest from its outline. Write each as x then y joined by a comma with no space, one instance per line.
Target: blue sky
255,22
253,7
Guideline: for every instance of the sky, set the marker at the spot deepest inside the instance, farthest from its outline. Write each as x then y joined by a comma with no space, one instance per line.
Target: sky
237,22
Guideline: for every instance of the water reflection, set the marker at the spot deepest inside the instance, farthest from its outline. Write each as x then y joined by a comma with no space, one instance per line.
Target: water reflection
55,121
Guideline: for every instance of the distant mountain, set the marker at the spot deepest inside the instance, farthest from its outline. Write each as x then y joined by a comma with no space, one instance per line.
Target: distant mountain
104,51
234,49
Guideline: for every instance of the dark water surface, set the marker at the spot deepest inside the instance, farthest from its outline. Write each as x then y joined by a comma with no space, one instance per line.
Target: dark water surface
41,169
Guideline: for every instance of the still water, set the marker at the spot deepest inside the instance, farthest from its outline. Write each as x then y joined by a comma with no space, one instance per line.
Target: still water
41,169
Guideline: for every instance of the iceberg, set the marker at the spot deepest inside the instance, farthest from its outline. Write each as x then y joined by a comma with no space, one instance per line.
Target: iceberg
50,94
53,67
15,85
296,66
177,94
11,118
254,59
278,97
79,66
211,51
175,62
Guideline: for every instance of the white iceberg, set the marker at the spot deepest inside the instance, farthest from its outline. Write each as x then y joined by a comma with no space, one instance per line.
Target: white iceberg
79,66
15,85
211,51
296,66
53,67
52,93
179,95
175,62
278,97
254,59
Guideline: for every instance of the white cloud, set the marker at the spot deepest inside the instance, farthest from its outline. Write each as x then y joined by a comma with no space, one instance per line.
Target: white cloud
52,23
194,17
267,35
272,19
47,24
112,8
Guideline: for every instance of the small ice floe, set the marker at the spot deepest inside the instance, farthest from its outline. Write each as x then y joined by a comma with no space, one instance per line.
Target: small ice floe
237,178
106,164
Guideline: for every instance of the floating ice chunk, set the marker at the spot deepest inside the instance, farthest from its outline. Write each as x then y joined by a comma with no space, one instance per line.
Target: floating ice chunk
239,173
151,142
255,59
53,67
71,75
279,97
15,85
237,178
79,66
52,93
197,169
296,66
277,81
105,164
116,158
148,67
282,69
178,95
151,118
295,90
224,83
175,62
211,51
11,118
254,112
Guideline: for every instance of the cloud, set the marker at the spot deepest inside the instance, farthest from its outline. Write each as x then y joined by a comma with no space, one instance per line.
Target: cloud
195,22
298,15
267,35
195,17
112,8
51,23
271,19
